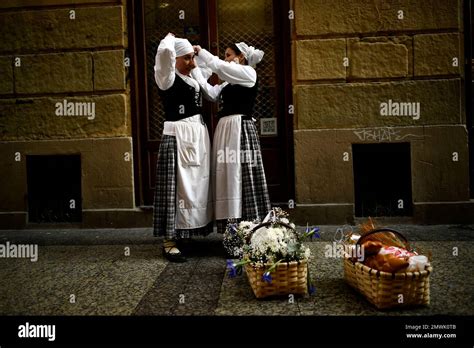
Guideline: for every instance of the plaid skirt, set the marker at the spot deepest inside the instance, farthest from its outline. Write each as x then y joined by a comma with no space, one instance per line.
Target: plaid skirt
255,198
164,212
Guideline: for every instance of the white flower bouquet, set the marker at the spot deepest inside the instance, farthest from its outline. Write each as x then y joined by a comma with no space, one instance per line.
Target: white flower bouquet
273,254
235,235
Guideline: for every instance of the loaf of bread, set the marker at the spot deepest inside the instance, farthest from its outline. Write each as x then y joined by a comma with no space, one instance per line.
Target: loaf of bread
387,263
371,247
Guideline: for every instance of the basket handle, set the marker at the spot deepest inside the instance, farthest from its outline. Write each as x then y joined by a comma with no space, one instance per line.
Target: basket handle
382,230
266,224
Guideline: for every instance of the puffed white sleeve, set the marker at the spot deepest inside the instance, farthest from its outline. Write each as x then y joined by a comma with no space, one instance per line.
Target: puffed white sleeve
231,72
165,63
210,92
206,72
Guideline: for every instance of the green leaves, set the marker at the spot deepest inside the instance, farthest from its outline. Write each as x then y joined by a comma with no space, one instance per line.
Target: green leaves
293,247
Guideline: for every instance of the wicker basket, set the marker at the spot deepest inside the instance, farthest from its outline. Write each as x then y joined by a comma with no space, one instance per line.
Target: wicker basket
384,289
287,277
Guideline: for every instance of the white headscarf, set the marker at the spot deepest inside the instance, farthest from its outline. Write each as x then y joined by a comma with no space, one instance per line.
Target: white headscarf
182,47
253,55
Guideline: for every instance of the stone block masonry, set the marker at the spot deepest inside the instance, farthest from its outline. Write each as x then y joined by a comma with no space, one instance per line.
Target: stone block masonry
379,72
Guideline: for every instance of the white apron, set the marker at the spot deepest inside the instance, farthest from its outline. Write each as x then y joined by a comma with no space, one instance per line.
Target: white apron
193,189
226,168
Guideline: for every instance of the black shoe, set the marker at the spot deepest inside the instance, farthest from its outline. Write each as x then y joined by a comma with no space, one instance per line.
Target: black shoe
185,245
173,257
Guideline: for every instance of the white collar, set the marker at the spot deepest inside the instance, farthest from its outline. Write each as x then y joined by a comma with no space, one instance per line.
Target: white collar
189,80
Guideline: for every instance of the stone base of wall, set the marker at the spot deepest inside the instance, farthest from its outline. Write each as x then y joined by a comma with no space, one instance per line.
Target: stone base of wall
444,213
13,220
324,214
123,218
106,179
423,213
118,218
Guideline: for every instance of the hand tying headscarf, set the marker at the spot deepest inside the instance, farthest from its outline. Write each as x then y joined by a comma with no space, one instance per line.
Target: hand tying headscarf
253,55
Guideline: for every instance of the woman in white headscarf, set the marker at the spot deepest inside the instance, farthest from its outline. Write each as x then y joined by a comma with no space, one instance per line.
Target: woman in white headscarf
183,199
240,188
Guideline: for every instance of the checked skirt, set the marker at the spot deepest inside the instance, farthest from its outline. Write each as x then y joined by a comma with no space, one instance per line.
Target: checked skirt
255,198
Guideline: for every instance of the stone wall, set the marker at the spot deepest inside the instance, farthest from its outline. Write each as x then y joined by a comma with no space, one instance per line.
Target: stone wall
58,52
348,58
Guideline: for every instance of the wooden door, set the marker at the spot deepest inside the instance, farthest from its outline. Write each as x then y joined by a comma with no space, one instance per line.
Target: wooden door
213,24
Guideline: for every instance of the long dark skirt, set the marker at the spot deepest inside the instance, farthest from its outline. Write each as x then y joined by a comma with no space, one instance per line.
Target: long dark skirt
164,213
255,198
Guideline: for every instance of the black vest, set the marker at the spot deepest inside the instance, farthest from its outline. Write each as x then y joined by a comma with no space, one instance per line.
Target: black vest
180,100
237,99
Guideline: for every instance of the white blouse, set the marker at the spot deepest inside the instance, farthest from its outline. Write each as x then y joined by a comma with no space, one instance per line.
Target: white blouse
230,72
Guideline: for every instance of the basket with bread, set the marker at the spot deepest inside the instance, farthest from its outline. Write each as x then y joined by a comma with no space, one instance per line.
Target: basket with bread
391,273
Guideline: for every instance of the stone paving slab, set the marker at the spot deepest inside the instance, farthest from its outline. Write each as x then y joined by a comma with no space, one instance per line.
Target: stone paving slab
105,281
451,292
102,279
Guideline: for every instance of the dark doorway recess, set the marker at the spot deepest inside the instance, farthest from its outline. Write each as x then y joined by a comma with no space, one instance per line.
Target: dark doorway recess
382,179
213,24
54,188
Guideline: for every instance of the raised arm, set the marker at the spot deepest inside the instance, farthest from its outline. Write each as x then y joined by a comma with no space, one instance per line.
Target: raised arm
210,92
206,72
165,63
231,72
